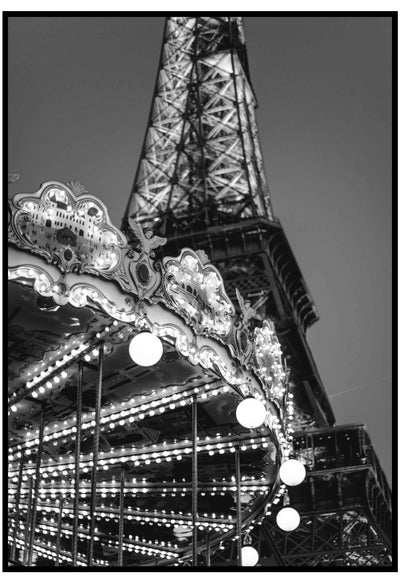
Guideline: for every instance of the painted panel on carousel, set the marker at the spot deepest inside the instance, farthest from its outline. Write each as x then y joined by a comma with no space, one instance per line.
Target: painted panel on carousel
68,227
197,292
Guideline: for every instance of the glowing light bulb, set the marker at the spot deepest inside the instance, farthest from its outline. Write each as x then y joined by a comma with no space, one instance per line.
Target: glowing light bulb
292,472
251,413
288,519
145,349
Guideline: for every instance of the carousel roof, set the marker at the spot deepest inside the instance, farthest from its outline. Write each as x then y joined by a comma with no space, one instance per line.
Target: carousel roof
78,294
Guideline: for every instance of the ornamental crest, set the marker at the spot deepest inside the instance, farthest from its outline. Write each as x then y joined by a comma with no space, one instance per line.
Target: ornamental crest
268,357
142,269
242,347
74,232
197,292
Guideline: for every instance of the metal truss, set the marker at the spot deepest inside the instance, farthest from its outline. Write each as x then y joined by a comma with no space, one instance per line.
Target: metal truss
201,159
345,504
342,538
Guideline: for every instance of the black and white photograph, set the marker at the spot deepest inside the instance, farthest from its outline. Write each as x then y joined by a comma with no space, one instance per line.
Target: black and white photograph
200,292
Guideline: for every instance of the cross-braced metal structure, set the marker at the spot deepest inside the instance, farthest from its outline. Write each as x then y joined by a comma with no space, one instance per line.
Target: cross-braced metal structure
345,503
201,182
201,159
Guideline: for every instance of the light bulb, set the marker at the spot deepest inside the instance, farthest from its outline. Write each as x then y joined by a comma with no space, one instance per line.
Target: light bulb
250,413
249,556
145,349
288,519
292,472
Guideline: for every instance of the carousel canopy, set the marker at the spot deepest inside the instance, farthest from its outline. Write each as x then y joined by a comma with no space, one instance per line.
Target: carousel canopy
125,459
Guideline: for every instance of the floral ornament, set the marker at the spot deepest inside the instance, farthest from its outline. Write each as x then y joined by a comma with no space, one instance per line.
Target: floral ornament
77,188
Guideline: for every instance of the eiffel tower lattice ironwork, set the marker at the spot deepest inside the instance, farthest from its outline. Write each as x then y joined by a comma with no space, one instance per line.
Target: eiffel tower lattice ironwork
201,183
201,158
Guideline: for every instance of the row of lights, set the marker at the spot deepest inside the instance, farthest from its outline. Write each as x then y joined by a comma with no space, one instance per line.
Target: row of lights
112,491
158,454
51,376
50,526
47,506
51,553
124,415
162,519
51,530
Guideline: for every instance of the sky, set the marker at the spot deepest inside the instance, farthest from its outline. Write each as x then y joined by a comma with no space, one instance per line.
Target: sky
80,91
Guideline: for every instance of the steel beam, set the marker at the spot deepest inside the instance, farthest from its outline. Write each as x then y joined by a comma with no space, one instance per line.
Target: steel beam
194,481
77,459
96,439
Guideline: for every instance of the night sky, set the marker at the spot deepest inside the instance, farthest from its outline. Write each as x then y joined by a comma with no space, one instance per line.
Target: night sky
79,97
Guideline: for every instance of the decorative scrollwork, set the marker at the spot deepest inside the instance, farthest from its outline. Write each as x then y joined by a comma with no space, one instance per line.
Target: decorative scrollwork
77,188
74,233
197,292
268,361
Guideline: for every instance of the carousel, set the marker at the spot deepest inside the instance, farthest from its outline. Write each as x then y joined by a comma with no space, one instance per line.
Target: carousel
149,423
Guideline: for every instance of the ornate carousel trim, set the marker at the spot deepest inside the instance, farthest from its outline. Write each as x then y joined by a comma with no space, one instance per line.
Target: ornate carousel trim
179,299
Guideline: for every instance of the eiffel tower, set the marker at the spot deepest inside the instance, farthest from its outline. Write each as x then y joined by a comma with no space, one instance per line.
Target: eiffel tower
201,183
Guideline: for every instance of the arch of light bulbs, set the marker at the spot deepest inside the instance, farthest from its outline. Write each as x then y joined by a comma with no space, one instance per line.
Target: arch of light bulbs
52,375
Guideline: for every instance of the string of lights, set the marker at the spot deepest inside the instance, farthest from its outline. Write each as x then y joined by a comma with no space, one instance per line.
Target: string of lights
156,453
134,410
143,546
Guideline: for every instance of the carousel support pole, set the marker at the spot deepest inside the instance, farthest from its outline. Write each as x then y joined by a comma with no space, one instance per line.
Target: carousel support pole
17,510
121,518
238,508
96,438
28,520
59,522
208,550
77,455
36,489
194,480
